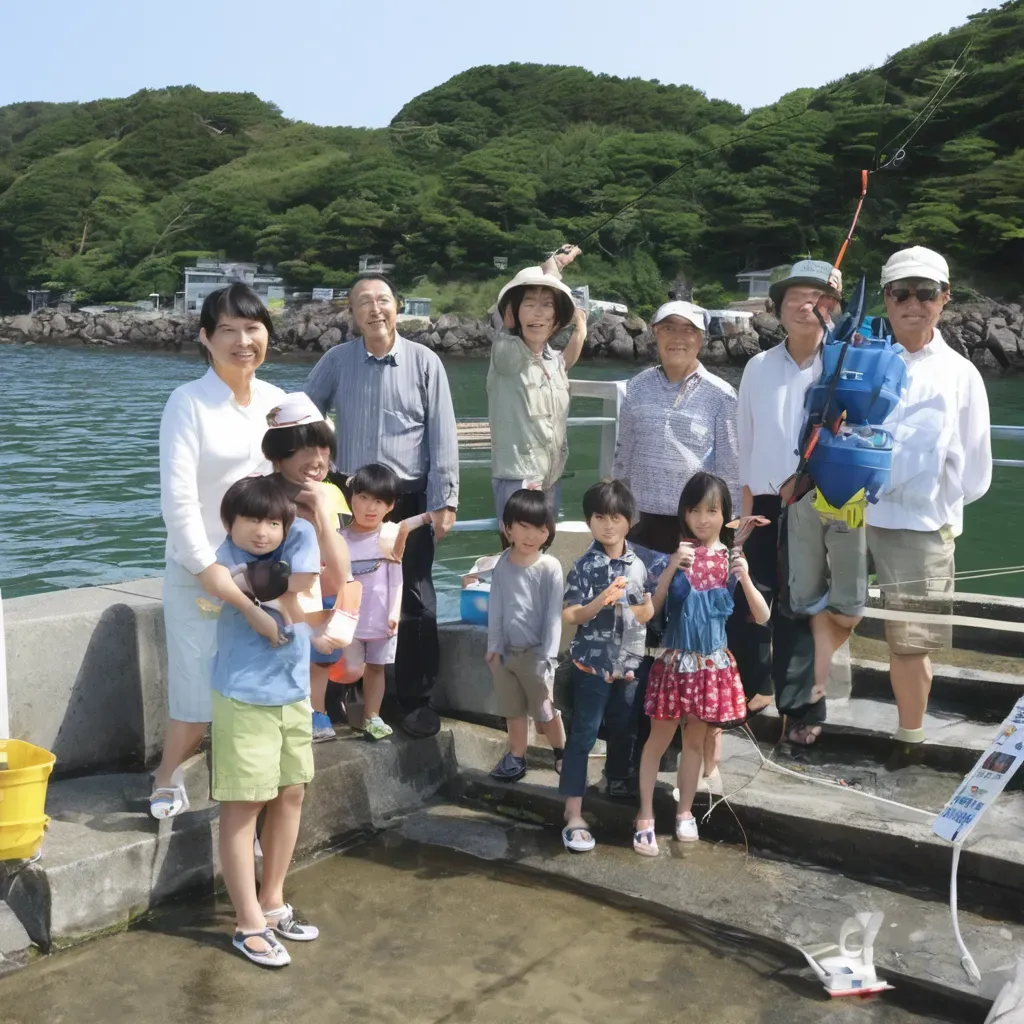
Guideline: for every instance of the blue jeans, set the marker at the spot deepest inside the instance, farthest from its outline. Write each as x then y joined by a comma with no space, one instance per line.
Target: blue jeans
593,700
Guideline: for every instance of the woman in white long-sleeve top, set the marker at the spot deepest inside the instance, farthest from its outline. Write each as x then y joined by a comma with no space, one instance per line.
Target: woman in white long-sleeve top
210,436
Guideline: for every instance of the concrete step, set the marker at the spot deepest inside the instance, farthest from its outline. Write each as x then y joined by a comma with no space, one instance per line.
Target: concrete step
747,906
860,731
105,860
795,819
975,693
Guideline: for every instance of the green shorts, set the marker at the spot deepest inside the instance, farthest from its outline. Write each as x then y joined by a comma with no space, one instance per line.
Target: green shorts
258,749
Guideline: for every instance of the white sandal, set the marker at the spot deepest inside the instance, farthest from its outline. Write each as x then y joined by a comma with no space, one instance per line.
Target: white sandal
578,839
275,955
169,801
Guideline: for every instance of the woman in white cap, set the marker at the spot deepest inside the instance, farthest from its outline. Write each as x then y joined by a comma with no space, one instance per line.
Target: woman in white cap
300,446
210,436
677,419
528,382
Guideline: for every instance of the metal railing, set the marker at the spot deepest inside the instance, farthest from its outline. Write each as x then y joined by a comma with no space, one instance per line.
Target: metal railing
611,393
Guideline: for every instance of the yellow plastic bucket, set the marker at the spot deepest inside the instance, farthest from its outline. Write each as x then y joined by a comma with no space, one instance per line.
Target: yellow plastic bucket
23,798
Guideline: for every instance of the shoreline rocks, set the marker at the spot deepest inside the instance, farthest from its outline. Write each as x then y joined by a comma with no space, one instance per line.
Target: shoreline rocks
989,333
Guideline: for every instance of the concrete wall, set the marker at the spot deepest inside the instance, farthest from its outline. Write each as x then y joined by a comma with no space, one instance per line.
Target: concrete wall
87,668
86,674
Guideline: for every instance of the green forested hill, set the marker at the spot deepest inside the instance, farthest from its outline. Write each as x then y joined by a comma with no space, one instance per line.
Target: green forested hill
114,196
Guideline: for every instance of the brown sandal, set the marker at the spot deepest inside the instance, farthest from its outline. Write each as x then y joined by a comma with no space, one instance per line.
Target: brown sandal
803,735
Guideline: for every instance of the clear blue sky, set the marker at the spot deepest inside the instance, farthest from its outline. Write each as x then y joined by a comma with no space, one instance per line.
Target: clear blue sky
349,63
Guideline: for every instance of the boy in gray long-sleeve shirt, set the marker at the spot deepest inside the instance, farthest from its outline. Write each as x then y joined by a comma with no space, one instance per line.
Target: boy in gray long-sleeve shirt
524,627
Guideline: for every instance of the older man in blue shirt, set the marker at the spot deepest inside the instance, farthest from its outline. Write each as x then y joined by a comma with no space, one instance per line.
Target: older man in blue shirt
392,405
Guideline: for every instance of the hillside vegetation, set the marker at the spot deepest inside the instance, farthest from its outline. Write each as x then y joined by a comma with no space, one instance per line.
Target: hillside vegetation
114,196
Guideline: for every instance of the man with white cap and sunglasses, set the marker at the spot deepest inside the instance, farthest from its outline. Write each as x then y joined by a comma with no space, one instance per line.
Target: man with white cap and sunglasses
770,419
942,460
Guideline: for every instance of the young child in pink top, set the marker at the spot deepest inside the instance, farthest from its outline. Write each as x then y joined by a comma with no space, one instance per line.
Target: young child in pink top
373,491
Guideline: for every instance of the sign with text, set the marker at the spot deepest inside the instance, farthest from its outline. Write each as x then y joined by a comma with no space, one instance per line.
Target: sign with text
986,780
323,294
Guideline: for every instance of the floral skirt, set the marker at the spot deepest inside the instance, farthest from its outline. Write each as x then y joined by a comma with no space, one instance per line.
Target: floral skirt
706,686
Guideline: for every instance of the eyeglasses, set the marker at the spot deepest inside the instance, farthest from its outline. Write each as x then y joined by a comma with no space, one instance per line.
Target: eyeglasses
924,293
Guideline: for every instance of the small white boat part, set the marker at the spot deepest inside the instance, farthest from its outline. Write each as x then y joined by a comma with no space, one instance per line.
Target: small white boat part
843,969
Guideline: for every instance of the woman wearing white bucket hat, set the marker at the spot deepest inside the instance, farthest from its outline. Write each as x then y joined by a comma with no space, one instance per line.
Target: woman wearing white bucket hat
528,383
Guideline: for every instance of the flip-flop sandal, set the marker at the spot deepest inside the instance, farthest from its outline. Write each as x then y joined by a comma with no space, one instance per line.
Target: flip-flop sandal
754,712
288,926
275,955
803,735
573,839
169,801
645,842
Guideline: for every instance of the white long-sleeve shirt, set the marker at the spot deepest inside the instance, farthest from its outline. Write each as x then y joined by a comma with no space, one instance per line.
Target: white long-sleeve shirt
207,442
942,450
770,416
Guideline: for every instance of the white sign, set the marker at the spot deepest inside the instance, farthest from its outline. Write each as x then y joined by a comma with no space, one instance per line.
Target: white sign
323,294
986,780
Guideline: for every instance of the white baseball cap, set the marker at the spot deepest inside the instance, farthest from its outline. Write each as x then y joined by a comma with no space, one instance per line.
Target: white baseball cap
697,315
915,262
294,410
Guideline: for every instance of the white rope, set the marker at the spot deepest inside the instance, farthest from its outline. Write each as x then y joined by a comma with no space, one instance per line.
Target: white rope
944,620
966,960
960,574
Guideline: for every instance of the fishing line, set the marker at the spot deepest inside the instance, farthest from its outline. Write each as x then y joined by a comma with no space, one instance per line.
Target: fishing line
902,139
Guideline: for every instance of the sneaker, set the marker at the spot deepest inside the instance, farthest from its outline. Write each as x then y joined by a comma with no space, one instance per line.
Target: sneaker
621,789
686,830
375,728
509,769
322,728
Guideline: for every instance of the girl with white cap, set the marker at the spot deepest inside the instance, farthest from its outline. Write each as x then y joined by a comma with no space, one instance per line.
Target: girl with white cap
300,446
528,383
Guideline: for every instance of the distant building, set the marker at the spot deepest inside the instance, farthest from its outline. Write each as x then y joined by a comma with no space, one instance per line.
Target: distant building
208,275
372,264
757,282
417,307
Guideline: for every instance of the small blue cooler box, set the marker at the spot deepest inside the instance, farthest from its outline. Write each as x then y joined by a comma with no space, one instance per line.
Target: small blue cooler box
474,601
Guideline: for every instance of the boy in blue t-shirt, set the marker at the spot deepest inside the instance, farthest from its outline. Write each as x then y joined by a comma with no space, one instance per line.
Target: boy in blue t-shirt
262,733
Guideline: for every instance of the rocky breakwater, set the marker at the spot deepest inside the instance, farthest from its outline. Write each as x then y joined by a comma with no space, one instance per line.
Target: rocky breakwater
153,331
317,328
989,333
314,328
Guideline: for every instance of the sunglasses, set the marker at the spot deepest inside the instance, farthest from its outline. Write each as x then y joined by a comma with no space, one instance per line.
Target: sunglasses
925,293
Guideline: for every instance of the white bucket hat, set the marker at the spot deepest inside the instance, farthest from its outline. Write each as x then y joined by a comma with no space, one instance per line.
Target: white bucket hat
294,410
697,315
534,277
915,262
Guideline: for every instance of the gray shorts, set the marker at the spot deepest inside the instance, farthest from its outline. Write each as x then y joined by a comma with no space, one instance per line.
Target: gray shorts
378,651
914,569
524,684
828,564
504,489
